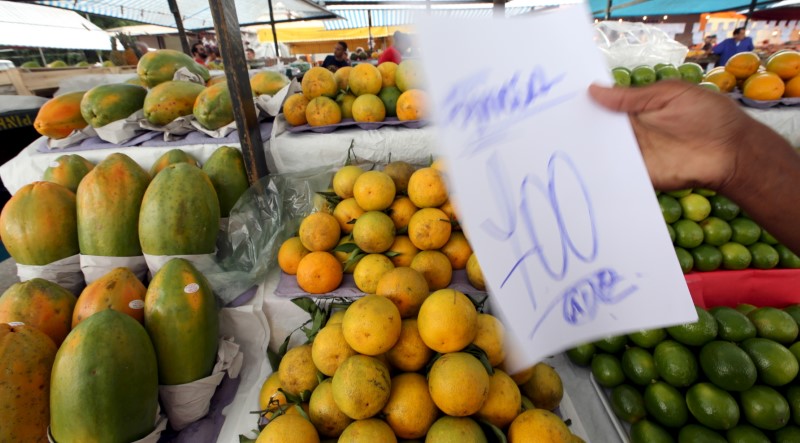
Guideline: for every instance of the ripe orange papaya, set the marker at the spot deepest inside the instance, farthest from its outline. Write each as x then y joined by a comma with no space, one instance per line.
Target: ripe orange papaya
41,304
68,170
119,290
60,116
170,100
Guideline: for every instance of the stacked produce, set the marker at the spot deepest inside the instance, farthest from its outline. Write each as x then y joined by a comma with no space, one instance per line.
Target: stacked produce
644,75
729,377
710,232
376,221
363,93
407,365
778,77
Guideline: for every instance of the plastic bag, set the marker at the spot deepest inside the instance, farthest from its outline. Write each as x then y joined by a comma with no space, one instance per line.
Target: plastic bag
630,45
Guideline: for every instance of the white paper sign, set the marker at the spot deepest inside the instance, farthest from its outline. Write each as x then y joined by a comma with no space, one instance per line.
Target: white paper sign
555,196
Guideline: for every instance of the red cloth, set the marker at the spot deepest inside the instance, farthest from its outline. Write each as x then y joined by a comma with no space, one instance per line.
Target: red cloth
390,55
774,287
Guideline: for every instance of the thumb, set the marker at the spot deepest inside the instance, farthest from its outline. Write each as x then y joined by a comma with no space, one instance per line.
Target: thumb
638,99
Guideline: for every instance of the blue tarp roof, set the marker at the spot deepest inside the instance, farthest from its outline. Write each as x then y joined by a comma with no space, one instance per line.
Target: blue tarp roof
628,8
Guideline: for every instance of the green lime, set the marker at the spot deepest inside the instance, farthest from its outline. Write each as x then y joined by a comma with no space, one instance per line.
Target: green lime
716,231
794,311
727,366
767,238
607,370
685,259
733,325
709,86
675,363
795,350
648,338
646,431
706,258
627,403
764,256
699,434
705,192
665,404
612,345
638,365
582,355
622,76
712,406
658,66
667,72
776,365
671,233
774,324
688,234
793,397
643,75
723,207
698,333
744,433
680,192
787,434
745,231
735,256
764,407
670,208
691,72
788,259
695,207
745,308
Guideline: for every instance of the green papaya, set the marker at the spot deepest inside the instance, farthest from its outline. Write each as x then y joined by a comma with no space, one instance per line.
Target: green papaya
213,108
31,64
180,213
226,170
159,66
104,104
180,314
108,200
68,170
170,100
104,384
172,156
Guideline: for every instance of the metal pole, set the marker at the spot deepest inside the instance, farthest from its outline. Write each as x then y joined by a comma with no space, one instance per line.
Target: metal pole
750,13
370,46
274,33
173,7
499,8
608,10
41,54
229,38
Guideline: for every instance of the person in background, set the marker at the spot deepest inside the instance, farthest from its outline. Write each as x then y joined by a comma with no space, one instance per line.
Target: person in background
199,53
708,43
338,59
733,154
732,46
395,52
249,54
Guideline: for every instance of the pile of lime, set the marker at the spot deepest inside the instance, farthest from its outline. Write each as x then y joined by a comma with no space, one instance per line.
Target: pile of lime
710,232
729,377
644,75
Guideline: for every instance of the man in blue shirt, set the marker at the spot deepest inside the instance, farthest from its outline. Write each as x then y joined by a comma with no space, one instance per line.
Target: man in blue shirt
732,46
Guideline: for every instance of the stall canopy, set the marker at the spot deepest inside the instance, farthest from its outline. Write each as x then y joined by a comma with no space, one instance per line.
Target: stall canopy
378,16
196,14
41,27
629,8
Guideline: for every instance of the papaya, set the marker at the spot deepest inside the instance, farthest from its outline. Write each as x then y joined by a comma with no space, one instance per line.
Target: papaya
213,107
41,304
216,79
136,81
180,213
61,115
119,290
38,224
180,314
58,64
170,157
104,104
170,100
225,168
31,64
68,170
26,358
108,202
268,82
159,66
104,383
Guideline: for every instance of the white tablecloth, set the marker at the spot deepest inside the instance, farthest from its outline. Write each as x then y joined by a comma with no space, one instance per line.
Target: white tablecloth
785,121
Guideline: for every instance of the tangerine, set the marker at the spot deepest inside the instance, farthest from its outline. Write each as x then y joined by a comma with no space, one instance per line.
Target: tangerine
319,272
785,63
294,109
365,79
318,82
323,111
290,254
412,105
764,86
368,108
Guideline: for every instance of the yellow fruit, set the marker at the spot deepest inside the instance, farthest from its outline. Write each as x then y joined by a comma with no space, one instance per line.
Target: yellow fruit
294,109
523,376
329,349
373,232
439,165
503,403
544,388
785,63
723,79
426,188
404,249
371,325
455,430
365,79
458,384
336,318
410,353
344,179
369,271
792,87
326,417
429,228
269,397
289,429
412,105
458,250
345,102
345,212
449,209
408,75
474,273
361,386
764,86
401,211
447,321
342,76
290,254
371,430
435,267
297,372
538,426
368,108
490,337
323,111
400,172
319,272
387,70
410,411
743,64
374,191
406,288
319,231
318,82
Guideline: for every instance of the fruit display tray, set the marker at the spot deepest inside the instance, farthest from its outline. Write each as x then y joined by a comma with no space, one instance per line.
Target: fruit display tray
763,104
349,122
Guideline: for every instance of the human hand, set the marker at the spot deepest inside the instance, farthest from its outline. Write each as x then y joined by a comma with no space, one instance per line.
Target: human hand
689,136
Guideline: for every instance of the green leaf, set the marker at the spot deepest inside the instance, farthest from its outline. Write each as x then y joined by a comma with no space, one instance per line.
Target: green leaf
346,247
527,403
305,396
354,258
492,431
433,359
276,357
320,377
403,230
480,354
330,197
350,150
478,300
391,254
244,439
302,411
352,221
306,304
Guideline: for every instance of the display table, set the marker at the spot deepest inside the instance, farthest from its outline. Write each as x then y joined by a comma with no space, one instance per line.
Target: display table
785,120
